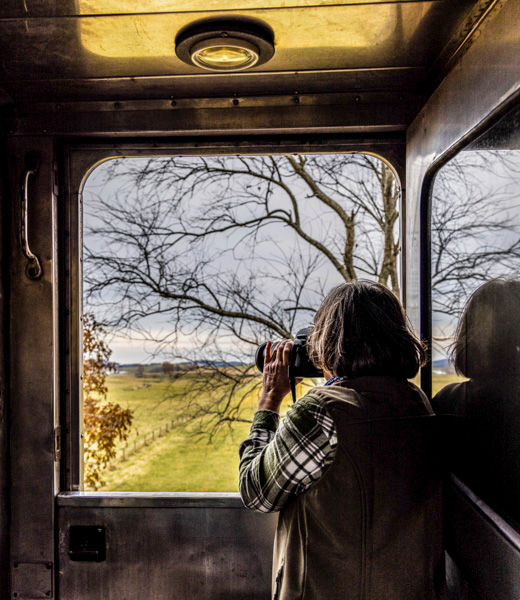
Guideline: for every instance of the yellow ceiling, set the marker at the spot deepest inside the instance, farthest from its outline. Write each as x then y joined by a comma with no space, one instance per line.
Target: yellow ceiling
331,30
107,7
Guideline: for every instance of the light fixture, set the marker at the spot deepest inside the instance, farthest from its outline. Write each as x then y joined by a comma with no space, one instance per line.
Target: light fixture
225,45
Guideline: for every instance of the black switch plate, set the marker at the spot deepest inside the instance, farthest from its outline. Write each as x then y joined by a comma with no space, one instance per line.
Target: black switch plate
87,543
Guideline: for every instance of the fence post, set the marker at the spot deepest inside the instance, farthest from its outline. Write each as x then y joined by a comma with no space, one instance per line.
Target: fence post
153,434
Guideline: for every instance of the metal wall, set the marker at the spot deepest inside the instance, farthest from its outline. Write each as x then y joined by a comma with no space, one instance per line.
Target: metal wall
482,85
4,280
168,546
487,76
33,375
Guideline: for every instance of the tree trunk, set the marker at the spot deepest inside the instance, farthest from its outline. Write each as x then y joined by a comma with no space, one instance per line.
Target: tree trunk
390,197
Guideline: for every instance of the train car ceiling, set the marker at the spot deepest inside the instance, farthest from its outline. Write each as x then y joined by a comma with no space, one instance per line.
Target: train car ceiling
120,50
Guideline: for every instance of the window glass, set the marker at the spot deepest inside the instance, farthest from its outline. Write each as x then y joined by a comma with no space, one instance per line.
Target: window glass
476,312
189,263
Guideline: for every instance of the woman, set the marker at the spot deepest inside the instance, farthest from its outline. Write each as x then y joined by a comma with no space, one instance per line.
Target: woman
484,437
352,468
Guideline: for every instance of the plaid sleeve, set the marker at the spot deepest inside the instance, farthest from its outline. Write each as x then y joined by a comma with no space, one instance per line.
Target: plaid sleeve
278,464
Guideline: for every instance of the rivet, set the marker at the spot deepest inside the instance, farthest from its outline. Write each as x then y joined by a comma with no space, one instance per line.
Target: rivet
235,101
58,106
15,565
49,565
296,100
117,105
358,98
224,34
173,103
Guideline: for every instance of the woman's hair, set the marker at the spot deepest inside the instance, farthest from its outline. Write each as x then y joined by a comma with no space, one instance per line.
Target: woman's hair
487,341
361,329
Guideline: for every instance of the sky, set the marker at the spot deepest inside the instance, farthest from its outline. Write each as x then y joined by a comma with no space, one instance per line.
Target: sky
231,255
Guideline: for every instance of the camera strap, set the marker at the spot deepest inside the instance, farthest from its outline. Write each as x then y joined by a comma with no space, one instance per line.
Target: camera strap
292,381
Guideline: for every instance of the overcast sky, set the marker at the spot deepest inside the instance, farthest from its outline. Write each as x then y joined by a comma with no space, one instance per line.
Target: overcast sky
274,248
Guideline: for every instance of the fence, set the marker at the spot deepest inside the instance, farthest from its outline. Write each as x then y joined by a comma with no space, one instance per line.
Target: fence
145,440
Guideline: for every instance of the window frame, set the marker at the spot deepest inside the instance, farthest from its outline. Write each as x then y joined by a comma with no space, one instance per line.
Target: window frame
425,209
80,158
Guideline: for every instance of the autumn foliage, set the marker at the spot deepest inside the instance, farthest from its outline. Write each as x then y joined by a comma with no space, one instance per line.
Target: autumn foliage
104,421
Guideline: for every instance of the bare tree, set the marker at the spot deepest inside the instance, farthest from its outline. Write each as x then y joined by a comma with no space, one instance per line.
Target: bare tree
230,252
475,231
227,252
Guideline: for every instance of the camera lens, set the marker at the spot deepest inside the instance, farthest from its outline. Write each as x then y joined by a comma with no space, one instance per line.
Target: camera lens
260,355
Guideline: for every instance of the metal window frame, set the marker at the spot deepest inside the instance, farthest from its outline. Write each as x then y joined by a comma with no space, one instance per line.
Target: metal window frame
426,210
79,157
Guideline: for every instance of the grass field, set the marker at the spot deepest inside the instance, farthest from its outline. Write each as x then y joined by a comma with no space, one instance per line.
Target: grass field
174,461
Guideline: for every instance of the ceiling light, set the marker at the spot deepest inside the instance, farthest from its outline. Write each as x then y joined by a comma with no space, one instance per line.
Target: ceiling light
225,45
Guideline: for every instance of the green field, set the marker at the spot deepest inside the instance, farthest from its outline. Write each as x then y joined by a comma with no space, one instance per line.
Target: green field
174,460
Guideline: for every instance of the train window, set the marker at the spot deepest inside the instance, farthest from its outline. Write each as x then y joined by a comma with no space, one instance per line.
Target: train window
189,264
476,312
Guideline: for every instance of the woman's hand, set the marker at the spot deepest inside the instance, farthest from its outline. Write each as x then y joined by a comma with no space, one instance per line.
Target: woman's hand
276,383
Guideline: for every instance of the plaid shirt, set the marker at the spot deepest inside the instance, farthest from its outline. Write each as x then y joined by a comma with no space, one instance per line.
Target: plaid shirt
279,463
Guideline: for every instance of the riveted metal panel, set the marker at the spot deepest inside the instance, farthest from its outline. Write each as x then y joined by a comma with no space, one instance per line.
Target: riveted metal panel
172,87
33,414
298,113
32,581
170,551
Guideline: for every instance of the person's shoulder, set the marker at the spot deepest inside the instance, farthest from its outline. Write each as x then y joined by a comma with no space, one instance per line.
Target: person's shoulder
306,415
311,404
450,398
338,395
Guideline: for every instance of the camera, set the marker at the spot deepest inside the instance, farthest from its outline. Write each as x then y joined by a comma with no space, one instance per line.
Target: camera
300,364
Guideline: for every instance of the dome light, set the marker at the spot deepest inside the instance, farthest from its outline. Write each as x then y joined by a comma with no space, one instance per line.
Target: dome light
225,45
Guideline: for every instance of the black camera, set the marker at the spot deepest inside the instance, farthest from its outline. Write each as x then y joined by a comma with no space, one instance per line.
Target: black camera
300,364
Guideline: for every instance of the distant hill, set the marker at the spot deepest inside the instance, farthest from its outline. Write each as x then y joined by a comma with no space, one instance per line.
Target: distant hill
442,363
135,365
214,363
443,366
